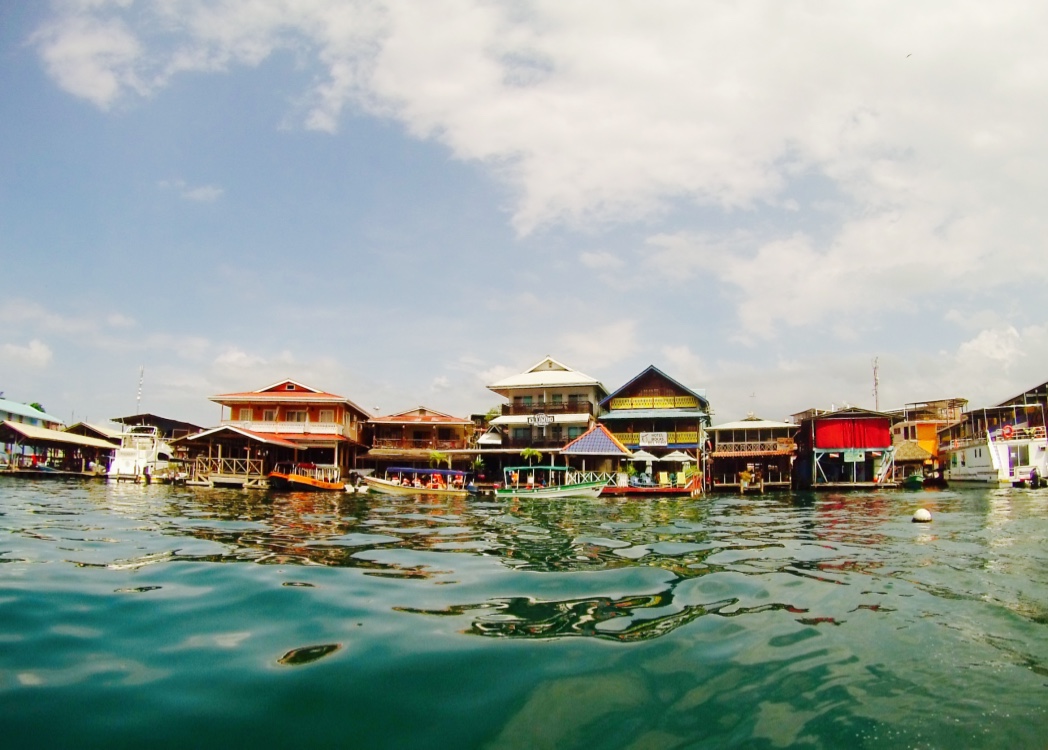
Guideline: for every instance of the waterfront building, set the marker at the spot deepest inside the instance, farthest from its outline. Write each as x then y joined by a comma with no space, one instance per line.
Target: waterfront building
22,414
285,421
1000,445
751,452
167,428
846,448
549,405
418,435
12,411
658,414
915,435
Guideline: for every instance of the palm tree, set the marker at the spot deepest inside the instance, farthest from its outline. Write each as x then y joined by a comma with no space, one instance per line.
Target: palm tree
436,458
531,453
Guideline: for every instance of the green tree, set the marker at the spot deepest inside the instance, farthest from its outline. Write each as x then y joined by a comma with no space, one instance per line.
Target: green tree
38,406
436,458
531,453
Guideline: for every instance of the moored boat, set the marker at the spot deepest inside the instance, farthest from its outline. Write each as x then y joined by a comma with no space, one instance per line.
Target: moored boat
406,480
142,454
913,482
306,476
545,481
999,446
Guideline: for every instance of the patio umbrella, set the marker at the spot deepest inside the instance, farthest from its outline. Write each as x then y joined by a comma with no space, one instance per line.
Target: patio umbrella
643,455
680,456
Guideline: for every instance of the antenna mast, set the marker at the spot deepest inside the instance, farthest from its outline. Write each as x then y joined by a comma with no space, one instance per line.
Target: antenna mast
876,383
138,401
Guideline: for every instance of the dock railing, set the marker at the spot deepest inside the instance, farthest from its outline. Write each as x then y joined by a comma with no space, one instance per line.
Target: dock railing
204,468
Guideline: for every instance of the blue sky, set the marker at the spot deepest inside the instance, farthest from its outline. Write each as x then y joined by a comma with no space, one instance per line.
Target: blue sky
402,202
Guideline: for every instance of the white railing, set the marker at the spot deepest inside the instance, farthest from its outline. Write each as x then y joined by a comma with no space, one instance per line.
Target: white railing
244,467
291,428
578,477
755,446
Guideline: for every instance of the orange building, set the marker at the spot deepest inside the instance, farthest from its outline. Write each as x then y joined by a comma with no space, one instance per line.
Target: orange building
289,417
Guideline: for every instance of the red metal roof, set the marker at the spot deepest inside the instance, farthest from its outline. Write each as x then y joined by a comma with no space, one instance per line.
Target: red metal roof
420,415
261,437
286,391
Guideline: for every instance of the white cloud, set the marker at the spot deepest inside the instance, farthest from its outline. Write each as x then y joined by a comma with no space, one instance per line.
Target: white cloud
199,193
922,125
92,58
35,354
602,261
591,348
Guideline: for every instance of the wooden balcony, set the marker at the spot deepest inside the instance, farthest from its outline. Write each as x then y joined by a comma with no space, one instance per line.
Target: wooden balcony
540,443
565,407
294,428
432,444
655,402
673,438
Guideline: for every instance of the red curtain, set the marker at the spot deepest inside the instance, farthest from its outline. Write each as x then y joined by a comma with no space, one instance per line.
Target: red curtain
856,432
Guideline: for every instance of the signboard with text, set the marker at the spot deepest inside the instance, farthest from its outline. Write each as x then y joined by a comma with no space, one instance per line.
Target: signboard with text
540,420
654,439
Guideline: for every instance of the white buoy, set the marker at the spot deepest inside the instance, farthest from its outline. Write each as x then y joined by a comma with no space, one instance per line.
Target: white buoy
922,516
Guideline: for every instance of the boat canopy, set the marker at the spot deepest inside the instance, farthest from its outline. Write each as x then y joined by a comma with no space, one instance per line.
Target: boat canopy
540,467
413,470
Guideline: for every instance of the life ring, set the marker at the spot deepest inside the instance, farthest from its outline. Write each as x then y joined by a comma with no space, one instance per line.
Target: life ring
1007,432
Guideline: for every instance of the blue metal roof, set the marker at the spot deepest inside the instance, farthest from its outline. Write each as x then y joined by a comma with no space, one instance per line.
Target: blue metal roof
597,442
25,410
653,414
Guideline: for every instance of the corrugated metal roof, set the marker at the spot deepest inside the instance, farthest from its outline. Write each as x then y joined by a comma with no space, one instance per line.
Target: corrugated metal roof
420,415
44,435
268,439
25,410
752,424
596,442
548,372
699,394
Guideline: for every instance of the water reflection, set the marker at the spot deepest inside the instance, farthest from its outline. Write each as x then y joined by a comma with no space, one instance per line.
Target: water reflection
834,539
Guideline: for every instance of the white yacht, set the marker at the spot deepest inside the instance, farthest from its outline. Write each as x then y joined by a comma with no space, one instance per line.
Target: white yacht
142,455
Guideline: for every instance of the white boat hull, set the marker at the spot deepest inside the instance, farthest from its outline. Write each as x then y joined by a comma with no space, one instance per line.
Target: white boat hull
585,489
394,488
1000,462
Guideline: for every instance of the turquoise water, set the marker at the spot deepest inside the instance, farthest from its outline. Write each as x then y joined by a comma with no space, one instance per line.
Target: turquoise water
172,617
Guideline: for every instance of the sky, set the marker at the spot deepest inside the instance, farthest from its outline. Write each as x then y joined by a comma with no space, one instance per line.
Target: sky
403,202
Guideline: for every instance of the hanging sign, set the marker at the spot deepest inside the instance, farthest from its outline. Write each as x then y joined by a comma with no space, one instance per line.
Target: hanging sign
540,420
654,439
854,457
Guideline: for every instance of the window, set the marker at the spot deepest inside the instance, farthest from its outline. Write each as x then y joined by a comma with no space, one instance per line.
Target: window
294,416
289,387
521,433
246,413
327,415
574,432
558,398
269,415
